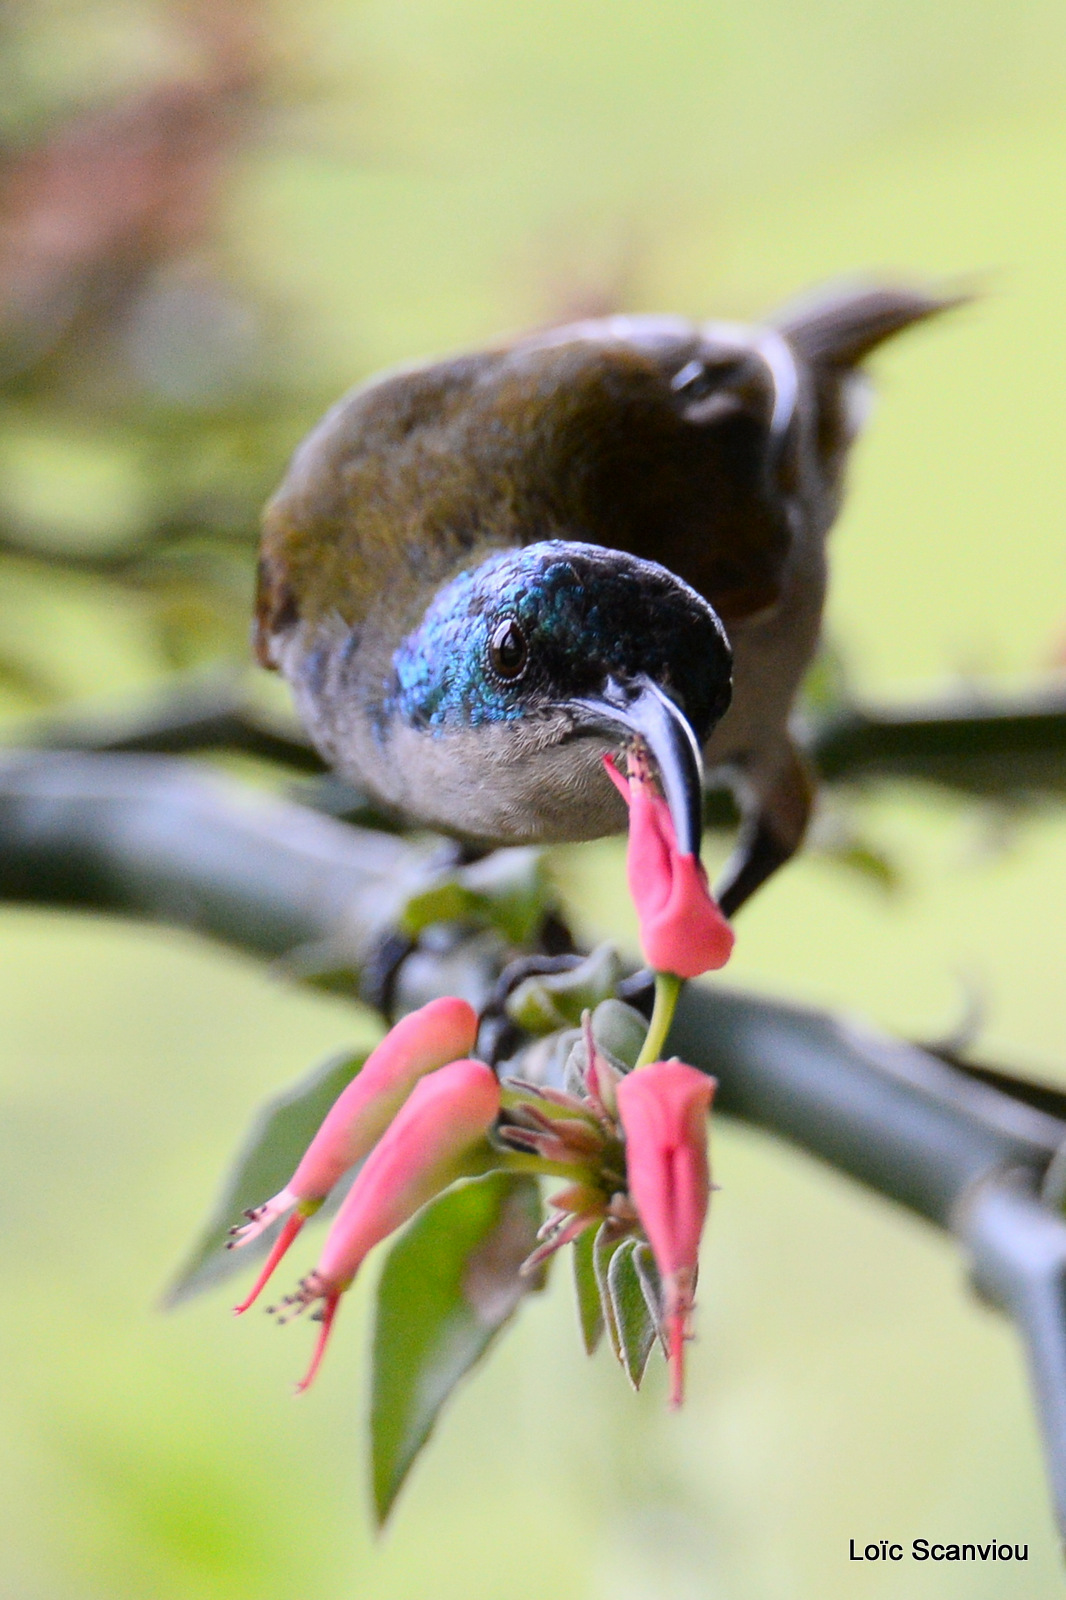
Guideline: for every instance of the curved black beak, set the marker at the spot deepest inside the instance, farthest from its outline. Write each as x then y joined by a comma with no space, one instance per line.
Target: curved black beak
639,706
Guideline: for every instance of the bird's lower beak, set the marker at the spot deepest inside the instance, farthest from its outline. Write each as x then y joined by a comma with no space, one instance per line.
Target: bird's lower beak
640,706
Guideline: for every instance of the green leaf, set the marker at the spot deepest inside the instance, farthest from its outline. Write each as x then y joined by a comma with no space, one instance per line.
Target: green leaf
618,1031
651,1283
547,1001
869,861
604,1246
447,1288
589,1305
632,1319
826,687
507,890
281,1132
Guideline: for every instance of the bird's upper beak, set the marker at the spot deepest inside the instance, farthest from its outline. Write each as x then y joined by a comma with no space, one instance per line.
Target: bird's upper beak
638,705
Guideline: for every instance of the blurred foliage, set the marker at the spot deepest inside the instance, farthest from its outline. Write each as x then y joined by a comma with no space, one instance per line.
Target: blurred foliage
282,1131
147,390
215,215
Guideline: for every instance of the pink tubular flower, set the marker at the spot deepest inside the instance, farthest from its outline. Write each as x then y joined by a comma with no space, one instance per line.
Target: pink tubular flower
427,1039
663,1109
424,1150
681,928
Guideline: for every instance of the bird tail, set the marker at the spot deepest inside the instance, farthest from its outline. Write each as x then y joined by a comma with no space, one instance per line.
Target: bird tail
840,326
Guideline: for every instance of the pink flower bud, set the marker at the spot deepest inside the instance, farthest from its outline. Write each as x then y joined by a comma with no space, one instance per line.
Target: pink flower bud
426,1148
663,1109
440,1032
427,1039
681,928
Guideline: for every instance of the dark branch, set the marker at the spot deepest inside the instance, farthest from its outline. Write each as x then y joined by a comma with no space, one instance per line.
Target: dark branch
152,837
1009,749
149,837
888,1113
193,716
129,561
1004,748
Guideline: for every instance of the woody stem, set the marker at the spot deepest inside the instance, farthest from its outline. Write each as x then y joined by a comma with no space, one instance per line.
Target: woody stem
667,989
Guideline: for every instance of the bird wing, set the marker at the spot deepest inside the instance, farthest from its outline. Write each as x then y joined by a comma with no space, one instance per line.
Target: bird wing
701,447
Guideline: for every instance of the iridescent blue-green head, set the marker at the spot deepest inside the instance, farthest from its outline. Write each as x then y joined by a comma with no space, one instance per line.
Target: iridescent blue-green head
524,670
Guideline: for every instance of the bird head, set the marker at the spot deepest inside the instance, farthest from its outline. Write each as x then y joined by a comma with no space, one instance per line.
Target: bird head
525,669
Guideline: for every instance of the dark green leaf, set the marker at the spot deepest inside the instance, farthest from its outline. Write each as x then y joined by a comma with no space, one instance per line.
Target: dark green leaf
589,1305
604,1246
548,1001
619,1031
447,1288
278,1137
632,1318
651,1283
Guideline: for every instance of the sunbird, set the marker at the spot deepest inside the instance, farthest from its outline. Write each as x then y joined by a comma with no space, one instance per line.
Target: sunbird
482,574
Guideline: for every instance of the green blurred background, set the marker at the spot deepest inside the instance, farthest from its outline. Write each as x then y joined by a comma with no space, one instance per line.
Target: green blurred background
368,182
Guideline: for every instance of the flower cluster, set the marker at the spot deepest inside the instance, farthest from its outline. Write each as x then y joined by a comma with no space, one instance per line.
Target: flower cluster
630,1143
632,1148
635,1147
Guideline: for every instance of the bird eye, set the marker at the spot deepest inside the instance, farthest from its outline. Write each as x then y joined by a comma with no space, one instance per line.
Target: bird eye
508,650
701,378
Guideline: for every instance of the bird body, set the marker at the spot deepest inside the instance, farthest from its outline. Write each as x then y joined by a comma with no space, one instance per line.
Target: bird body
480,572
